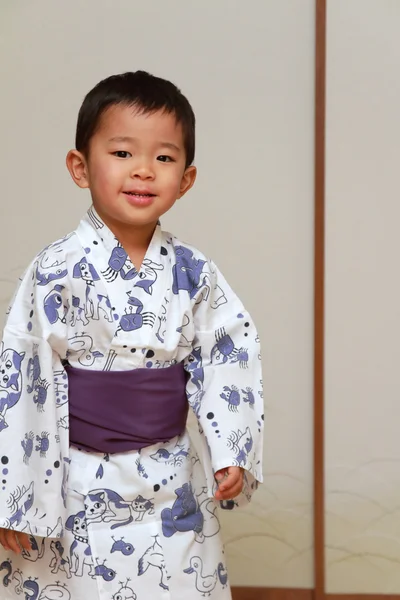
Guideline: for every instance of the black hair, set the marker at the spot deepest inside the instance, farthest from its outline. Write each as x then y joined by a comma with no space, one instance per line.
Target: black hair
137,89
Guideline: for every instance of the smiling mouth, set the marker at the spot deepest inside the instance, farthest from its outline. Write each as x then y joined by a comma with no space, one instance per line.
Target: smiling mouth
139,195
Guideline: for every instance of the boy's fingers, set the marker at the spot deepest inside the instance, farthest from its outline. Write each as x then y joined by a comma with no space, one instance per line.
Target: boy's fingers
3,539
25,541
11,541
232,478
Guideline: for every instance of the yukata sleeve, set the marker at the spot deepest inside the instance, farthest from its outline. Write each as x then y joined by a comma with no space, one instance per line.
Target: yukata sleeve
33,390
225,380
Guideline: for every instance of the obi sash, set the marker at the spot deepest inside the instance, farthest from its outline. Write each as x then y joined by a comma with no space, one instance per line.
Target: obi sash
120,411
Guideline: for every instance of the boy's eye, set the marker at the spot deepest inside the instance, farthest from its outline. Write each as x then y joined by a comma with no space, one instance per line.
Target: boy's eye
122,154
164,158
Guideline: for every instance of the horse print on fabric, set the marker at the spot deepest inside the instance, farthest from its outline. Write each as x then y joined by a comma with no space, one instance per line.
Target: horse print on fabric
10,381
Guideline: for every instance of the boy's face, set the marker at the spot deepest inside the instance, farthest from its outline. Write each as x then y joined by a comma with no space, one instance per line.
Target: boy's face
135,168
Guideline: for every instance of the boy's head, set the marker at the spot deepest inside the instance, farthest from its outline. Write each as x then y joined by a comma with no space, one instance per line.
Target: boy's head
143,92
134,150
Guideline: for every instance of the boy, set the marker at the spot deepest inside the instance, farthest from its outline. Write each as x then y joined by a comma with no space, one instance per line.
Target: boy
114,331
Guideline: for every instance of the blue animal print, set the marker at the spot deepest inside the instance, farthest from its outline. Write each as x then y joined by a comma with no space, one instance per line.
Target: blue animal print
54,308
10,381
153,557
94,302
35,383
33,589
58,562
134,318
36,552
141,469
19,503
224,350
232,396
80,551
43,444
103,571
46,278
185,514
125,592
27,445
175,458
119,264
106,506
148,275
82,346
194,365
241,357
186,272
248,396
204,583
6,564
242,444
54,590
124,547
222,575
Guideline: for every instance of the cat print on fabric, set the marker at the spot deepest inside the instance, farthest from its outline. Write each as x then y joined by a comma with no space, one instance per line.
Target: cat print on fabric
10,381
104,505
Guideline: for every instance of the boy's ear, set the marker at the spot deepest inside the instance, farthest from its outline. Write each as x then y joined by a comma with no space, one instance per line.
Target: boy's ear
188,179
77,166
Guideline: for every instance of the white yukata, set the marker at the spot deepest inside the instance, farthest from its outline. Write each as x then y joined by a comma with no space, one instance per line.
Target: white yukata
143,524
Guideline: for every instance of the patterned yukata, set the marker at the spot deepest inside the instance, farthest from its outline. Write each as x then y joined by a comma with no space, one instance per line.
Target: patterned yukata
139,524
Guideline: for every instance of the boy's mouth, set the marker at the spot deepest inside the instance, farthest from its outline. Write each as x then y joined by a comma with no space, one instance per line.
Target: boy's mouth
140,194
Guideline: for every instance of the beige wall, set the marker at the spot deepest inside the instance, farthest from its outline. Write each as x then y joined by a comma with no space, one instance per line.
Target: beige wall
363,297
249,75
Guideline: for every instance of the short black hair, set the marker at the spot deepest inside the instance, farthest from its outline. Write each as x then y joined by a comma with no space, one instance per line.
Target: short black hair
137,89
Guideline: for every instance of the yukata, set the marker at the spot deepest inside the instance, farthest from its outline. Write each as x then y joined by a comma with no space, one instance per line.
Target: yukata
142,523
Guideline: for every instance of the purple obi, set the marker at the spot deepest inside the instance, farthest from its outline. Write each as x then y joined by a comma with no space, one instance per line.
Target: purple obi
119,411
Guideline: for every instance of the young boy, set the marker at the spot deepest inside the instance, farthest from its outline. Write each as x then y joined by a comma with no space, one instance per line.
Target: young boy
114,331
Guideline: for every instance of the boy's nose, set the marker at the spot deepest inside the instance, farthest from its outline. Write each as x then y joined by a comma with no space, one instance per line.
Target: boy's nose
143,171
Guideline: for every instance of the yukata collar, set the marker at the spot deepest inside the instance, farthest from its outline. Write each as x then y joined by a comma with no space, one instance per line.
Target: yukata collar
107,241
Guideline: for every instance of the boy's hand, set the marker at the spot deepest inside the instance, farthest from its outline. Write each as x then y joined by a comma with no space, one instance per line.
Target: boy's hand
14,540
230,483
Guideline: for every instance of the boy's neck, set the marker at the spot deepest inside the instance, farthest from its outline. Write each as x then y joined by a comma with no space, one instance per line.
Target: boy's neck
134,240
